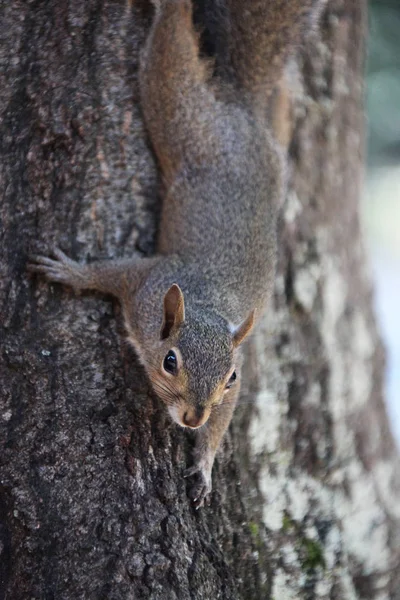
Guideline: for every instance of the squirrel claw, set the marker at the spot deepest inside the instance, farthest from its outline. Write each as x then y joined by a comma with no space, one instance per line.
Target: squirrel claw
61,268
200,491
191,471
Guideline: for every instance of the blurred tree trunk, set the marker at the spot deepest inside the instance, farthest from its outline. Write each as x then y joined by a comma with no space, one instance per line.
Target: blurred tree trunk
92,499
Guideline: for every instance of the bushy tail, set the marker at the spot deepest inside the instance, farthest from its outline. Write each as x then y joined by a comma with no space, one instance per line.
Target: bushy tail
254,39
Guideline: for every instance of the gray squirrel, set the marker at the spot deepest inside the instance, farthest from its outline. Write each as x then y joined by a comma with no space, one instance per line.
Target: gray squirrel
188,309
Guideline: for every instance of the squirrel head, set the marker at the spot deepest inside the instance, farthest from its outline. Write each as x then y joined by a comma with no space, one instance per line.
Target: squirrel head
196,360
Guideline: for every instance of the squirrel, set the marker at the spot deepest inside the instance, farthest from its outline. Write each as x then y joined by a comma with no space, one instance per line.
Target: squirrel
188,308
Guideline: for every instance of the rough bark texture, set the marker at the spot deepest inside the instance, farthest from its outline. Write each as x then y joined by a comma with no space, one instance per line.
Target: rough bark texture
92,499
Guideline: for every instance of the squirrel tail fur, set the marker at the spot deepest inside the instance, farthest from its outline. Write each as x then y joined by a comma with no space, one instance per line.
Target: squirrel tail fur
253,39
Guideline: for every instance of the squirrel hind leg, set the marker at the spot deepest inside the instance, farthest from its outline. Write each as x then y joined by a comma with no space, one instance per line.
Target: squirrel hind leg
176,99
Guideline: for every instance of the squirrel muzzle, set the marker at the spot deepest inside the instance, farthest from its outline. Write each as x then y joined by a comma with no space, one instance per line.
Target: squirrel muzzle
188,416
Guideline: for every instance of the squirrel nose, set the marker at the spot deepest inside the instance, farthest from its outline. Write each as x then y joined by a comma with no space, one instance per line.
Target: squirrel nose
193,418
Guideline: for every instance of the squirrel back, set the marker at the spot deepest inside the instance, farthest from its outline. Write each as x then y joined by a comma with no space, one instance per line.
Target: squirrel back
222,170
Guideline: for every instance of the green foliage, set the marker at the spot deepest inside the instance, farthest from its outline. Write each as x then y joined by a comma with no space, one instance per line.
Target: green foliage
310,552
313,554
254,529
383,81
287,523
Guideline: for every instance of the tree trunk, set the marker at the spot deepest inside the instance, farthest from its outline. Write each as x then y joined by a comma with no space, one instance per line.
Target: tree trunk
92,499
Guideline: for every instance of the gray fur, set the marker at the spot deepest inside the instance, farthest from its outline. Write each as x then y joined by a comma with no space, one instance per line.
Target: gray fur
223,176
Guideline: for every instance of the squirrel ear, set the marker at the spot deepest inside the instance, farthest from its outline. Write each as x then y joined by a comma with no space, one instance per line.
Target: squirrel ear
174,310
243,329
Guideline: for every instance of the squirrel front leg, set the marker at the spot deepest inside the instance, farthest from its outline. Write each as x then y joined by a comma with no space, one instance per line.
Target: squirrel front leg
208,439
109,277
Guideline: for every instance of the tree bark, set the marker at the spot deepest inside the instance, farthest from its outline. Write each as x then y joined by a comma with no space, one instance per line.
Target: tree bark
92,499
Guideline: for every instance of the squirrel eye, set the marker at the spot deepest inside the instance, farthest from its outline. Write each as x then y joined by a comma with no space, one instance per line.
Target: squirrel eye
170,363
231,380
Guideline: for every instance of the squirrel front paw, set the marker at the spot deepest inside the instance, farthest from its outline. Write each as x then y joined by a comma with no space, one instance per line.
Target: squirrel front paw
61,269
201,488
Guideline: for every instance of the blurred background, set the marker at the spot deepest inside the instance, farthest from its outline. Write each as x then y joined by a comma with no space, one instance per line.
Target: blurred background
381,201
